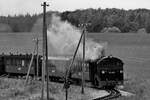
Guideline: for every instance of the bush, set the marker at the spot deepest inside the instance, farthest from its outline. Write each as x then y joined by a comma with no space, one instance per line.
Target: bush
142,31
111,30
5,28
148,26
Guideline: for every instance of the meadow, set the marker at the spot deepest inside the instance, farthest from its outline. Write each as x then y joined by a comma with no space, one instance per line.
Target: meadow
134,50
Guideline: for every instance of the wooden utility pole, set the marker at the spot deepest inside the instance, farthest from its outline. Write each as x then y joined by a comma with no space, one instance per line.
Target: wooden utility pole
45,53
66,84
84,29
30,65
37,57
83,26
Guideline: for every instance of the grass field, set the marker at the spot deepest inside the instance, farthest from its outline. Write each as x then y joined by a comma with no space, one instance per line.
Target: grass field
134,50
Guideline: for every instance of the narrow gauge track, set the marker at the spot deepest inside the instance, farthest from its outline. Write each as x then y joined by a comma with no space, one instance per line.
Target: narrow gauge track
114,93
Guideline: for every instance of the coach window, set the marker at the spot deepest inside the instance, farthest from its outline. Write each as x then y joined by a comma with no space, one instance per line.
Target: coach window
27,62
18,62
87,67
13,62
8,62
22,63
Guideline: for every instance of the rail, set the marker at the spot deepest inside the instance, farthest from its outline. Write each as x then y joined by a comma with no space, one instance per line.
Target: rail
113,93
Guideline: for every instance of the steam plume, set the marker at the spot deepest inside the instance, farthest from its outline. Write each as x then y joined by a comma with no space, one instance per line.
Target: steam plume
63,39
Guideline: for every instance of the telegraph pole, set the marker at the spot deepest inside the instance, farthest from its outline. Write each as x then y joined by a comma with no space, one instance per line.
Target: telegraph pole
45,53
67,84
84,29
37,59
84,25
83,59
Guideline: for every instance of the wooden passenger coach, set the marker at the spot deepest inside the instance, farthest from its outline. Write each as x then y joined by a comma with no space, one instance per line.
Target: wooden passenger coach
58,66
17,64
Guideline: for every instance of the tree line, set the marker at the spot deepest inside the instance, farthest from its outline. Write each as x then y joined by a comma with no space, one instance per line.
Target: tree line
125,20
19,23
99,19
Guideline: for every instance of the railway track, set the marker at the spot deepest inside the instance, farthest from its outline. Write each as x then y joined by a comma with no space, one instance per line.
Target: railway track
113,93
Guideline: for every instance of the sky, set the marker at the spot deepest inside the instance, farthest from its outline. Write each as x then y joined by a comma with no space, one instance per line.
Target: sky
12,7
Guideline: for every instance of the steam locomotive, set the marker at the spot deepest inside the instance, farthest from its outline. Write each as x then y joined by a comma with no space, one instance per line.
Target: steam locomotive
105,71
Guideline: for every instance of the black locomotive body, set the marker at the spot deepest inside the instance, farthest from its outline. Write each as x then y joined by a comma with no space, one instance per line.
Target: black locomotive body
105,71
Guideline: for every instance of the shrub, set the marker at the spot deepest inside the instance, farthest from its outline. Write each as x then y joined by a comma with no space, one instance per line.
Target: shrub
111,30
142,31
5,28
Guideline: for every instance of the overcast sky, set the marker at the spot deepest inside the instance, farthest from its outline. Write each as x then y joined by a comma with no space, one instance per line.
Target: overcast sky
12,7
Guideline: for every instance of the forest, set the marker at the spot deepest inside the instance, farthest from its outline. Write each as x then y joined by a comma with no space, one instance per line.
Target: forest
101,20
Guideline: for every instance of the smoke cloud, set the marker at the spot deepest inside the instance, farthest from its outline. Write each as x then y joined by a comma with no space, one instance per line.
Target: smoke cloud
64,37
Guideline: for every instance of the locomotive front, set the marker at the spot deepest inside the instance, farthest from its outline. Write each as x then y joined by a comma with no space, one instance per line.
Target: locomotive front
109,72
